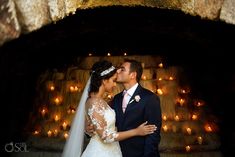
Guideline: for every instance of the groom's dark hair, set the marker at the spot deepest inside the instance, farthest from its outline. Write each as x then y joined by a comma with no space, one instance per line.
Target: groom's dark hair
135,66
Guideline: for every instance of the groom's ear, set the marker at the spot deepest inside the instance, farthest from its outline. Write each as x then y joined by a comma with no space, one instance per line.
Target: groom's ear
133,75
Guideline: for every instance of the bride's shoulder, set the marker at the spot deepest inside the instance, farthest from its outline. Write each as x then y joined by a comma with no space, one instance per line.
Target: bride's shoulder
94,101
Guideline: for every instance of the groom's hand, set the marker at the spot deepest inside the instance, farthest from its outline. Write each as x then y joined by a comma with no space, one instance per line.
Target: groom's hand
89,129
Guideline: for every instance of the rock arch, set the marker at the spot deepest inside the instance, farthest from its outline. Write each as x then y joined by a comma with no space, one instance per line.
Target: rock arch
24,16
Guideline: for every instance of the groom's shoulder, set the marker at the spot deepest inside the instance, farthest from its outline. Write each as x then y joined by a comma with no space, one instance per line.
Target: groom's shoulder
147,91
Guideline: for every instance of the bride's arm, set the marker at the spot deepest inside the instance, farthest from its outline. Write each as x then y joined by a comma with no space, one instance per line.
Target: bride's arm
96,114
141,130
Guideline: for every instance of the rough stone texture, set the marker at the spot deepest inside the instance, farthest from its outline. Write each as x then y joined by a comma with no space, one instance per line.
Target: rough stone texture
208,8
149,3
227,13
32,15
9,26
71,6
57,9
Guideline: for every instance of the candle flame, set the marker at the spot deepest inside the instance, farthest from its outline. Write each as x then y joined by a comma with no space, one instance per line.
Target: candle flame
66,135
187,148
189,130
199,140
52,88
159,91
165,128
49,133
164,118
177,118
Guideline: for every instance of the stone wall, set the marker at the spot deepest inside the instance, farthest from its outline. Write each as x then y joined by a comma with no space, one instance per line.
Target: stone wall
24,16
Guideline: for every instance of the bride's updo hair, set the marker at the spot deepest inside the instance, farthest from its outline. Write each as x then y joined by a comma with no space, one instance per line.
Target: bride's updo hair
101,70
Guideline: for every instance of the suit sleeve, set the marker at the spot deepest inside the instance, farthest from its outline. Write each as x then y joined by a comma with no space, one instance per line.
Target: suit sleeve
153,116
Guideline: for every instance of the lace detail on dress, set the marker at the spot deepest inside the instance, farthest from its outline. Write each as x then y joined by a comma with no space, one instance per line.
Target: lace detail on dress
97,109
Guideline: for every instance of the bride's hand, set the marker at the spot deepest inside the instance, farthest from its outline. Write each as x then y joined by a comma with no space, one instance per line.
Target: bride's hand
145,129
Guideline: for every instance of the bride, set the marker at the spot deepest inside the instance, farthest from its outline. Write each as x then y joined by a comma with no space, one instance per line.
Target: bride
93,108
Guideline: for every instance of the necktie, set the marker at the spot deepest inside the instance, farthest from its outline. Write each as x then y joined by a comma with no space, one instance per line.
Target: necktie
125,100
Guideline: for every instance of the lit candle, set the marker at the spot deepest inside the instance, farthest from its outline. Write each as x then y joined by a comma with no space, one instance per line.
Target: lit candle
57,100
144,77
72,110
164,118
159,79
125,54
159,91
76,88
199,140
160,65
208,128
56,118
52,88
64,125
199,103
189,131
90,54
49,133
177,118
43,112
108,54
184,91
66,135
194,117
71,88
36,132
55,132
165,128
187,148
171,78
181,101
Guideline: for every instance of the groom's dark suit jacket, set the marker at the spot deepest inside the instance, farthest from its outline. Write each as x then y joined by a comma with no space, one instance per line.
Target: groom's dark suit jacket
147,109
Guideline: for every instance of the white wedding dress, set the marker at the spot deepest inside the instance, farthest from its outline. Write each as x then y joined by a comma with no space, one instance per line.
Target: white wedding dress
102,143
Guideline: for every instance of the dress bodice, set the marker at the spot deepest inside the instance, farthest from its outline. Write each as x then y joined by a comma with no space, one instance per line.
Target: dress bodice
102,143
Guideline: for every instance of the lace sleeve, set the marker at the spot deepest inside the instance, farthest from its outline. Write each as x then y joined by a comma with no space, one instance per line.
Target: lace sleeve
96,111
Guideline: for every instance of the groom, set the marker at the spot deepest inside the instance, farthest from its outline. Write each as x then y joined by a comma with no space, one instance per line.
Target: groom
134,106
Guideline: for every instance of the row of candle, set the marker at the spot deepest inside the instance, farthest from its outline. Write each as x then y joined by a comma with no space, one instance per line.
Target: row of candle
160,65
193,116
180,101
71,88
51,133
55,133
188,130
45,111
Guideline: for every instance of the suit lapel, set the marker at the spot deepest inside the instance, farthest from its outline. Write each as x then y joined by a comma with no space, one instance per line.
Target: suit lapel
132,99
120,104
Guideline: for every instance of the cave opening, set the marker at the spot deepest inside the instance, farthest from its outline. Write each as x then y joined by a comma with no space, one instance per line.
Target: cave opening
202,47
